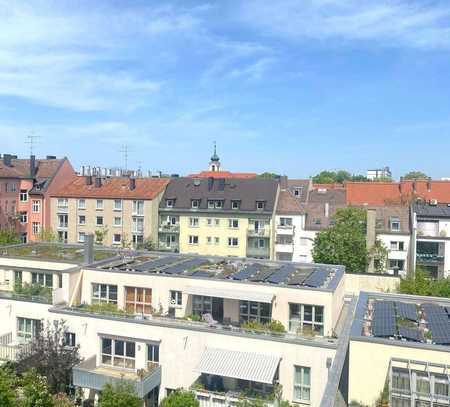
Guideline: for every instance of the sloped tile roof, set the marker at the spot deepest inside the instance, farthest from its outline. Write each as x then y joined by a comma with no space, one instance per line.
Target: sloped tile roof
288,204
223,174
20,168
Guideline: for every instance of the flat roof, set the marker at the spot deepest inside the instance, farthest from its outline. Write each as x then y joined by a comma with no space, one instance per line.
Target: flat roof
54,252
286,274
403,320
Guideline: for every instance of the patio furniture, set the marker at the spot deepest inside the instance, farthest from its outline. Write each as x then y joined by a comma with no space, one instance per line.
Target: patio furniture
209,319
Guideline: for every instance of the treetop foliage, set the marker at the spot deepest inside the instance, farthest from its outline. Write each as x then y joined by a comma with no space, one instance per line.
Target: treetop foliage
180,398
422,284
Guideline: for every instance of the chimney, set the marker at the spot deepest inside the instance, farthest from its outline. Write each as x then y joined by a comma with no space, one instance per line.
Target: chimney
210,183
429,185
414,187
98,182
132,184
88,180
371,236
89,249
51,157
327,210
32,166
7,159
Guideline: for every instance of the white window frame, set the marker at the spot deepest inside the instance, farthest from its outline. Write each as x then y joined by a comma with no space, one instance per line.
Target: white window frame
192,238
217,222
23,196
81,204
169,203
79,220
176,298
232,241
301,386
138,208
23,217
194,222
195,203
81,237
217,240
395,221
117,224
99,204
115,241
36,206
235,205
117,360
300,322
35,228
96,296
63,203
260,205
34,326
233,223
118,207
96,221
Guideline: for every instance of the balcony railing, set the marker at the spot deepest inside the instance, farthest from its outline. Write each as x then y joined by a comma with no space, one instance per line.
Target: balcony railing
10,295
285,229
10,351
88,375
200,326
284,247
230,399
265,232
430,257
165,228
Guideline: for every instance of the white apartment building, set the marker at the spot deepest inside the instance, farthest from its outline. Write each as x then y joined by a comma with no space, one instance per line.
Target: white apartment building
379,173
197,322
431,233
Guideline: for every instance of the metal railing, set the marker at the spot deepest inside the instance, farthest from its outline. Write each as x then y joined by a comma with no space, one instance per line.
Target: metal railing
169,228
24,297
10,352
265,232
433,257
208,398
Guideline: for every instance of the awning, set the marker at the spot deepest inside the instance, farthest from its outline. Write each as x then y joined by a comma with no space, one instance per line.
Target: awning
231,294
255,367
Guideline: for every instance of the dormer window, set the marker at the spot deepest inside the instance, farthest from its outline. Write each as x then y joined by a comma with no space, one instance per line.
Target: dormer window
298,192
260,205
169,203
235,204
219,204
211,204
195,203
395,224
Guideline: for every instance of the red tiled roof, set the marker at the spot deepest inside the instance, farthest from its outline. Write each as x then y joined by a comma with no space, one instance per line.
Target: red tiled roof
288,204
382,193
20,168
146,188
223,174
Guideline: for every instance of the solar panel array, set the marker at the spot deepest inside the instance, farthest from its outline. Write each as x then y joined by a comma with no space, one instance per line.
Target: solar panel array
383,320
185,266
156,263
247,272
316,279
281,275
438,322
406,310
412,334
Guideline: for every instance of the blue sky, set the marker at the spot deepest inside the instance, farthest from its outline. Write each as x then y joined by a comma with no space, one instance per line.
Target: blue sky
287,86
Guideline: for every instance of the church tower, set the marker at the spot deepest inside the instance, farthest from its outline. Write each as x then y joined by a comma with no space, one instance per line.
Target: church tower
214,164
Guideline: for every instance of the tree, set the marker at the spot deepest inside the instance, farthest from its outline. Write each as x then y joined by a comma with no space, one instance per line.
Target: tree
268,175
180,398
100,235
325,177
121,394
332,177
47,235
422,284
62,400
8,236
379,253
7,392
35,390
415,175
148,244
50,357
344,242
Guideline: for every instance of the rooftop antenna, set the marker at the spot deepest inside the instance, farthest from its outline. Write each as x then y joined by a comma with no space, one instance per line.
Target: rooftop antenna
125,151
32,141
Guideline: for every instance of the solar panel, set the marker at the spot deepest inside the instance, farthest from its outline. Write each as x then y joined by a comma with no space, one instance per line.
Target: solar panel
246,272
280,275
298,279
440,332
262,275
406,310
181,268
201,273
383,319
157,263
316,279
411,334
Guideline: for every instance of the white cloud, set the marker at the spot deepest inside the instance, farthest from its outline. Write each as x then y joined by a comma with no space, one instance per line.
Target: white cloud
420,24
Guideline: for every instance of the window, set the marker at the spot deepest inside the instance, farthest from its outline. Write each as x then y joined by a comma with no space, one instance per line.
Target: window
193,222
209,222
260,244
117,221
42,279
117,238
208,239
400,246
233,241
255,311
201,305
11,187
28,328
170,241
118,353
302,384
81,204
216,240
152,354
117,204
23,195
138,300
285,221
176,298
298,192
400,380
138,240
395,224
23,237
193,239
219,204
62,236
169,203
422,383
62,203
81,220
99,204
195,203
441,386
138,208
396,264
210,204
35,228
104,293
23,216
217,222
235,204
63,221
18,277
69,339
81,237
138,225
306,319
99,221
260,205
35,206
233,223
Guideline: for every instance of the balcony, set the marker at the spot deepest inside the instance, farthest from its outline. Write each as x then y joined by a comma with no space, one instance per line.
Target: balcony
252,232
229,399
62,209
285,230
169,228
284,247
258,252
44,297
63,225
430,258
9,350
91,376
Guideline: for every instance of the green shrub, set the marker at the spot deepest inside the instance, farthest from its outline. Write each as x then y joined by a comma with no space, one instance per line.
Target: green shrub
105,308
275,326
